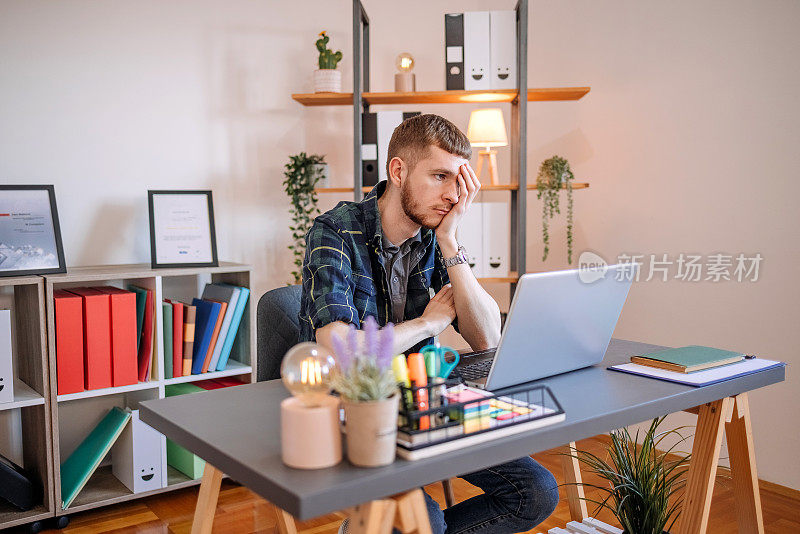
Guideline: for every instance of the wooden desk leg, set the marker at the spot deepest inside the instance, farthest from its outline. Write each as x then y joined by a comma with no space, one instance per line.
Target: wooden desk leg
374,517
286,524
572,476
703,465
207,500
743,468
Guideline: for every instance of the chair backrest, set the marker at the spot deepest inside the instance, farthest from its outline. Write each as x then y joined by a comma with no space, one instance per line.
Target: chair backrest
278,328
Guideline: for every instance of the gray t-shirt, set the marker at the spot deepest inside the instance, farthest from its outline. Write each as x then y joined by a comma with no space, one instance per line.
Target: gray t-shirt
398,260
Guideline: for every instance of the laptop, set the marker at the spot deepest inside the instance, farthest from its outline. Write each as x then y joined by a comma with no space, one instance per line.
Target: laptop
559,321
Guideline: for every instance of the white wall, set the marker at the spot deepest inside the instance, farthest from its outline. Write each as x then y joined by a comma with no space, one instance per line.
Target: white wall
687,137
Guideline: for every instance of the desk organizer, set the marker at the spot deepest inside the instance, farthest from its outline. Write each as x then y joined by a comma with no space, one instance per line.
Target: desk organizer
459,416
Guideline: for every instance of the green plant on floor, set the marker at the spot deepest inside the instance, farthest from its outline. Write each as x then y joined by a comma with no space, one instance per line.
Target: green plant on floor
327,58
302,174
641,479
553,173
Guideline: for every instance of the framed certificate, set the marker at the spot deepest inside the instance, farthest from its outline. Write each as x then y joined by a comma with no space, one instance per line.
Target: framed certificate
182,229
30,236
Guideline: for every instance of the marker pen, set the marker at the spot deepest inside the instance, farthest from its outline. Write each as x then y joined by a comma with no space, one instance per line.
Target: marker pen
418,375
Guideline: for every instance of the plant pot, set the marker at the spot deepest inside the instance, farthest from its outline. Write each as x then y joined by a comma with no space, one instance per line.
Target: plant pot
371,431
327,81
324,180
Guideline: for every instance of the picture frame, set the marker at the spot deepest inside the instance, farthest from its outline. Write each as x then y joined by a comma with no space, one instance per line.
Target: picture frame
182,231
30,232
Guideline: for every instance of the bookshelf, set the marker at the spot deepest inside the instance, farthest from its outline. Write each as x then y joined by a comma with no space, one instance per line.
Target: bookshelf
362,98
29,441
72,416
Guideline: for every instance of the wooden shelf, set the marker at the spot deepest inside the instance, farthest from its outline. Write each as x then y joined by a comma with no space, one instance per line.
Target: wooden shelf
501,187
24,395
510,279
153,384
11,516
233,368
547,94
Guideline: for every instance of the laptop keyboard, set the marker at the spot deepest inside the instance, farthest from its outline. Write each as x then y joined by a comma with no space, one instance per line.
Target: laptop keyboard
476,370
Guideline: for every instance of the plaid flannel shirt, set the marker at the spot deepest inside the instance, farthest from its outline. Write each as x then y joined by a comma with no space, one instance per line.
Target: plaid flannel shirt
343,274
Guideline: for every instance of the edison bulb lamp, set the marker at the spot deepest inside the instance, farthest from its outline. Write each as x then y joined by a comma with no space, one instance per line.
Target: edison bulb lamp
405,80
310,435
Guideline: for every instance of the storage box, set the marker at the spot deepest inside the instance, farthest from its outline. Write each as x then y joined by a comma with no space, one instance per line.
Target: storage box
136,456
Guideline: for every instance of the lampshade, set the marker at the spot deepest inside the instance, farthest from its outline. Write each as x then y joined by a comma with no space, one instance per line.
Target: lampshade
487,128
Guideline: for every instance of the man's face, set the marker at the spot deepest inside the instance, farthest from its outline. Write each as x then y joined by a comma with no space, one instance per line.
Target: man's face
431,187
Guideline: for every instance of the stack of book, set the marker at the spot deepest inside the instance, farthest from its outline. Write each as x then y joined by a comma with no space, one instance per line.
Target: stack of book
198,337
688,359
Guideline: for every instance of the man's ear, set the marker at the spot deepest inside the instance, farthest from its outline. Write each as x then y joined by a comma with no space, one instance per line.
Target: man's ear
398,171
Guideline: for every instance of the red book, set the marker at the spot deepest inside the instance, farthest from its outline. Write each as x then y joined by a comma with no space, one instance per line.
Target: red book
218,383
69,341
177,337
214,336
146,342
123,336
96,337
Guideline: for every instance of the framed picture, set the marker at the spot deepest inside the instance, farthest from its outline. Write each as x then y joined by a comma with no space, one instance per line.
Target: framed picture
30,236
182,229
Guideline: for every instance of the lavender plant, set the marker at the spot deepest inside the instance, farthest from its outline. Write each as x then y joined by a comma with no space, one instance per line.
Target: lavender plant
365,375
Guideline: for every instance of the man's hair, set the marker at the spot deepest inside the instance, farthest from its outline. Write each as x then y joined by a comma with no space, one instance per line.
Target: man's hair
410,140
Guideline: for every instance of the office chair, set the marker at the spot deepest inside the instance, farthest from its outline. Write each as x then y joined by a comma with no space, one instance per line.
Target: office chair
278,330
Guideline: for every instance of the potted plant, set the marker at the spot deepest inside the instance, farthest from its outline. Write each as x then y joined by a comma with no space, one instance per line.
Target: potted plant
553,173
302,173
327,79
364,379
643,482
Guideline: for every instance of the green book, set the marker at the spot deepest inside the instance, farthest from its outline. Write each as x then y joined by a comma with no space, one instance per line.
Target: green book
178,457
141,302
688,359
167,325
83,462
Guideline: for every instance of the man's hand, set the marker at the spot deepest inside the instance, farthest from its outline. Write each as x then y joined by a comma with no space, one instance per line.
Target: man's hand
468,187
440,311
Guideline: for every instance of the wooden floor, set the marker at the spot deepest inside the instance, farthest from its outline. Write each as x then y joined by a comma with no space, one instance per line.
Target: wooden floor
240,511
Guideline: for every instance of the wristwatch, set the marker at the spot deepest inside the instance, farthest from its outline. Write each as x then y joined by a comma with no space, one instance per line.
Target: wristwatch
460,257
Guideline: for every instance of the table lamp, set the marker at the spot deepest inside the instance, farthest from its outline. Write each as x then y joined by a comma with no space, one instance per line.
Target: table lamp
310,435
405,81
487,129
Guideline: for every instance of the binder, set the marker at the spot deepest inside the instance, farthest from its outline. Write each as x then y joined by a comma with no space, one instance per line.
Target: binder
387,122
503,55
179,458
470,235
6,364
177,338
206,320
229,295
136,456
454,51
189,318
241,304
496,239
96,337
123,335
69,341
223,307
83,462
146,340
166,326
369,149
141,302
476,51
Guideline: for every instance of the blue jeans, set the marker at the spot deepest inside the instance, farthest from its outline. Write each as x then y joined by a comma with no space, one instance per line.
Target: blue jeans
517,496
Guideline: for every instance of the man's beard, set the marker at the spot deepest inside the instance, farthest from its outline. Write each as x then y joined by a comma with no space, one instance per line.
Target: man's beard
412,209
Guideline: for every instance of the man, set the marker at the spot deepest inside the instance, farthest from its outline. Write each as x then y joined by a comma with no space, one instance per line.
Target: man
380,256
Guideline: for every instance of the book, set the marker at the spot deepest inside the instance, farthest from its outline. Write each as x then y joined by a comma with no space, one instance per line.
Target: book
146,340
96,337
177,338
83,462
189,317
229,295
223,306
123,335
205,321
178,457
166,324
69,341
688,359
705,377
241,304
141,302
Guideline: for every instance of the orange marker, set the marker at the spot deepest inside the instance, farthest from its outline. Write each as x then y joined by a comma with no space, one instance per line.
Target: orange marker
418,375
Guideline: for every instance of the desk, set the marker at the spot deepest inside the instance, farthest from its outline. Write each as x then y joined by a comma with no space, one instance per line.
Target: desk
237,431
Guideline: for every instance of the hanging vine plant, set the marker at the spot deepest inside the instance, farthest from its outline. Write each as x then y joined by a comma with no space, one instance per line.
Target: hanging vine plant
553,173
302,174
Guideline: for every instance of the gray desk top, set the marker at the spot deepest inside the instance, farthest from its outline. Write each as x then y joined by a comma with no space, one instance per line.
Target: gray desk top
237,431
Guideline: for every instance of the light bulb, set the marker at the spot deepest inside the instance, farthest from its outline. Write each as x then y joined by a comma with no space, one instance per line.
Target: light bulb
306,372
404,62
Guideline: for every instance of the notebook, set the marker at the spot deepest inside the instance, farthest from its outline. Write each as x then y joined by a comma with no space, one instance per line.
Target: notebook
701,378
688,359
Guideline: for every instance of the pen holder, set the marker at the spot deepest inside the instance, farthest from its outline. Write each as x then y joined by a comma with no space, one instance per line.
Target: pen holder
310,436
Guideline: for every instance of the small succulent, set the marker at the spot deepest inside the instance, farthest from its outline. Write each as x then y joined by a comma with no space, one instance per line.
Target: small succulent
365,373
327,58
